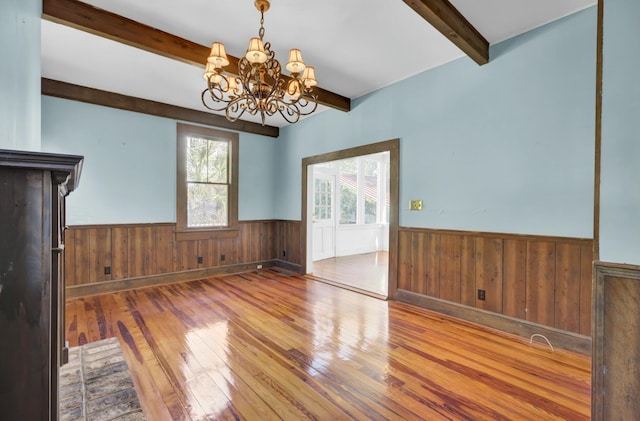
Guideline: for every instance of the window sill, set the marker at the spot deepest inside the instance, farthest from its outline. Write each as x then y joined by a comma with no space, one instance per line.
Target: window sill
206,234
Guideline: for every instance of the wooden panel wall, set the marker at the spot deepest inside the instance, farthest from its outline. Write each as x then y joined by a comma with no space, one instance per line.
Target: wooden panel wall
288,241
545,280
132,251
615,374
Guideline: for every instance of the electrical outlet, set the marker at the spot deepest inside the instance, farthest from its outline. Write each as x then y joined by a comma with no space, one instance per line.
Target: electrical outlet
107,270
481,295
222,257
200,259
259,266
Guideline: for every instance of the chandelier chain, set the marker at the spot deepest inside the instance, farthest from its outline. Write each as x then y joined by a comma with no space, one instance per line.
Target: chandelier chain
261,31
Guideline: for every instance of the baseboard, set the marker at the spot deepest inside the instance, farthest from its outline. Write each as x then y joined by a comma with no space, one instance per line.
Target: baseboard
164,278
558,338
293,267
349,287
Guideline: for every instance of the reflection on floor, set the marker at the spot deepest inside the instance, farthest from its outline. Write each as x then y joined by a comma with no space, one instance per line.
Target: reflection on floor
270,345
368,272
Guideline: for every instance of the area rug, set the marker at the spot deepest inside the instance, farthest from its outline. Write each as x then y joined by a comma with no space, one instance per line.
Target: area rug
96,384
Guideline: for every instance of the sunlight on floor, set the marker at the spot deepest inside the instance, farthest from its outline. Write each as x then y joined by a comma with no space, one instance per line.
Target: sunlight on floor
369,272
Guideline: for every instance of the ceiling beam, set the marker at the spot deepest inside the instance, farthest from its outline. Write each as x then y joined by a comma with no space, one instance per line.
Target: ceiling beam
443,16
109,25
58,89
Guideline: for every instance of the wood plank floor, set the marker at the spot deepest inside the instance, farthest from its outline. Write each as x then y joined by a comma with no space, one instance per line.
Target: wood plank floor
269,345
368,272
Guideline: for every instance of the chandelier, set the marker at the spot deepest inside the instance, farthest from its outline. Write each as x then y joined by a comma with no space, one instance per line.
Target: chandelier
260,87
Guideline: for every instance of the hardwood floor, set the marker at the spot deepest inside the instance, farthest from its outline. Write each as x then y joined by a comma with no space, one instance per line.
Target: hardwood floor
367,272
269,345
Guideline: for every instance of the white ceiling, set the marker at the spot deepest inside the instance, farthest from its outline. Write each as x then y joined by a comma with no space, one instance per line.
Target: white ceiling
356,46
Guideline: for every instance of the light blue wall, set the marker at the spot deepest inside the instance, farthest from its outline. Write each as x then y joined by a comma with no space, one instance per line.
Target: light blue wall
129,173
620,171
506,147
20,74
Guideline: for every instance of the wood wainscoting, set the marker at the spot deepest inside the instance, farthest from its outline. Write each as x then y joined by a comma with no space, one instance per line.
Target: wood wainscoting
287,253
615,373
530,282
102,258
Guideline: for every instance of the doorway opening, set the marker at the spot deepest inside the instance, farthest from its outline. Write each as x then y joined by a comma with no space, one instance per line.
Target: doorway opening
350,217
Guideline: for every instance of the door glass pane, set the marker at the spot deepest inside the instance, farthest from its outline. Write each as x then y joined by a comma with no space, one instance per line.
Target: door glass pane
322,199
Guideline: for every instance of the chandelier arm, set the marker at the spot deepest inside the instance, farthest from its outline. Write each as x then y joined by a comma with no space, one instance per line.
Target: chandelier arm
206,101
216,93
235,109
306,101
273,71
276,94
292,114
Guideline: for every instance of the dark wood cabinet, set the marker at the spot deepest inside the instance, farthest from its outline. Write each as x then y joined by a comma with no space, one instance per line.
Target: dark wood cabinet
33,187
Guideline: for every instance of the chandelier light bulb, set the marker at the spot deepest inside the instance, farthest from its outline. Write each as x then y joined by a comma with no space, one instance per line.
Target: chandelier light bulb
309,77
209,70
295,63
218,55
216,78
233,87
256,52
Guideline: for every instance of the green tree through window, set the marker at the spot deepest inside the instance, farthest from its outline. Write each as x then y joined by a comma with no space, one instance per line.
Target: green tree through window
349,191
207,182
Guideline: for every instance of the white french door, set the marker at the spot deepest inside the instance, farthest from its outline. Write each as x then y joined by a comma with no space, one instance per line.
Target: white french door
324,222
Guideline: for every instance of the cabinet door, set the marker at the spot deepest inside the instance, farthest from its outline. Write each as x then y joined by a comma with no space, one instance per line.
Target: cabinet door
26,371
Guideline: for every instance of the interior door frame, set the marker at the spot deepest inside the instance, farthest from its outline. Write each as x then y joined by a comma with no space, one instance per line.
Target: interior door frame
393,147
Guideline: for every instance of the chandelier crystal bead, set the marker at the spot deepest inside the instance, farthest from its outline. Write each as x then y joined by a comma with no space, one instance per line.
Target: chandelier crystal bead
259,87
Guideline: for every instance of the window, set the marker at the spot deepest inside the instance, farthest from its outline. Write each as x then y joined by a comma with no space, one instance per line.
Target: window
348,191
207,183
364,189
370,169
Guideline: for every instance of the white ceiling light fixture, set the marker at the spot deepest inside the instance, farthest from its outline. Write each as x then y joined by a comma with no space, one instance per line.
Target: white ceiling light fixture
260,87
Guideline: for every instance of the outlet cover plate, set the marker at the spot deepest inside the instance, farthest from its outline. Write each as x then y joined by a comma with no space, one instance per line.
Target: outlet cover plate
415,205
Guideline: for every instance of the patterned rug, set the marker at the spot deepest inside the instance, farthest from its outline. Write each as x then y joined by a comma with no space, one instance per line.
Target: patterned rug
96,384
